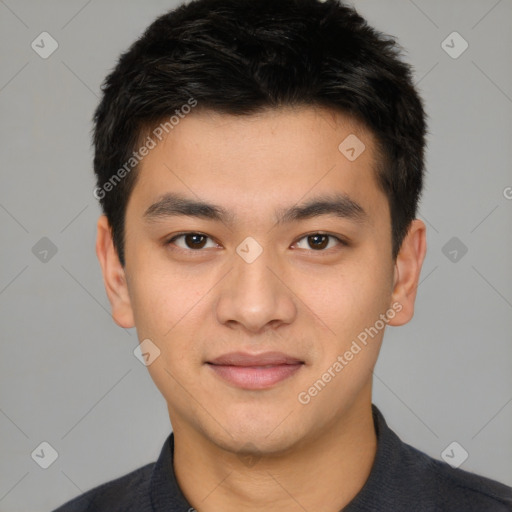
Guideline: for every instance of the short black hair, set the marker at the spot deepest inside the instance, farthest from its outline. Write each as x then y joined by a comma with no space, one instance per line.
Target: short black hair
244,56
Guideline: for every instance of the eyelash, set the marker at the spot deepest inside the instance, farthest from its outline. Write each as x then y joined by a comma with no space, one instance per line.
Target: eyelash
341,241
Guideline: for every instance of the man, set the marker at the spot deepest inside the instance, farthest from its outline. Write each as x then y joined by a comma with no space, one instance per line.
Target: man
259,165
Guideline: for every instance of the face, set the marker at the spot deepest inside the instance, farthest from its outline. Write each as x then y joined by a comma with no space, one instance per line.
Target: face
268,302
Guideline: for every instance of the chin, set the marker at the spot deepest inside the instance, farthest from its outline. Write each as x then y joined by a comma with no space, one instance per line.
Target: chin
259,433
257,443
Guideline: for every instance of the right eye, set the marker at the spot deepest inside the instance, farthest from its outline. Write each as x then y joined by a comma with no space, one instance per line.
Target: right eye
190,241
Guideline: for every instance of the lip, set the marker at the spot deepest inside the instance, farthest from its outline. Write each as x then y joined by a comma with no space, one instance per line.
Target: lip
255,371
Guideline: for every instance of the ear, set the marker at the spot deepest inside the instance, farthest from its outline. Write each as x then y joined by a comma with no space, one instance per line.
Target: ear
407,271
113,276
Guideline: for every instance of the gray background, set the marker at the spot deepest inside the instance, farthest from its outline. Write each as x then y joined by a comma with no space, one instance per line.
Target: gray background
68,373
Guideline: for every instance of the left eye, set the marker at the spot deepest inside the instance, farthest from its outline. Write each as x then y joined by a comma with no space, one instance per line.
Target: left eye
318,241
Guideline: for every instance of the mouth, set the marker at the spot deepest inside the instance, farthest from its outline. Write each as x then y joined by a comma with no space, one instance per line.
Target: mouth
255,372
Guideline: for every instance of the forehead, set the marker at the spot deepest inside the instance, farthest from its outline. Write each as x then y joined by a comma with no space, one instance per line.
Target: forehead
251,164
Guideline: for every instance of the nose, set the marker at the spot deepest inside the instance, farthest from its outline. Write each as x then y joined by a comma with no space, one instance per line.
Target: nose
254,296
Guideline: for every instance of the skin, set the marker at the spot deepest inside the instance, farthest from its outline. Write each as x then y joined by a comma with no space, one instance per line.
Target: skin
255,450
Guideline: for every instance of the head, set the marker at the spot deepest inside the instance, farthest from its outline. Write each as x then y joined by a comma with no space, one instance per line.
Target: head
289,138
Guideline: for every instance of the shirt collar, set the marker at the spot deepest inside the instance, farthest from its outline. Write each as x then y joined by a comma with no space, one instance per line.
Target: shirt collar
166,496
387,465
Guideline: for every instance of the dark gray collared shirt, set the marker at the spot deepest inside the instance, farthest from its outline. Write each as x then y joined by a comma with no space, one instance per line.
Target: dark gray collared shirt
402,479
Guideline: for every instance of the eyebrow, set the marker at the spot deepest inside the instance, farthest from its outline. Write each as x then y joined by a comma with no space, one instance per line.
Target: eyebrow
338,205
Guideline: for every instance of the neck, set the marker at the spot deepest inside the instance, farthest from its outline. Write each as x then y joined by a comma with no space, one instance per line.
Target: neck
329,470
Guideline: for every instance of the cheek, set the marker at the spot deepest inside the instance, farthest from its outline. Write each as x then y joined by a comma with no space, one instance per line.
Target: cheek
350,305
349,300
153,306
169,309
163,297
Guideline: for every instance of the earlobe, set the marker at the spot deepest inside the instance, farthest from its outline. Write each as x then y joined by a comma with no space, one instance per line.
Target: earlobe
114,277
407,271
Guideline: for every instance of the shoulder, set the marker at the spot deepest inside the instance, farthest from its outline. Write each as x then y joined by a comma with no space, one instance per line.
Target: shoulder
404,478
453,488
129,492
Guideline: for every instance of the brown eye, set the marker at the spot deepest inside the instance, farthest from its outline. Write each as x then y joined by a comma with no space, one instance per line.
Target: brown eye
193,241
319,242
